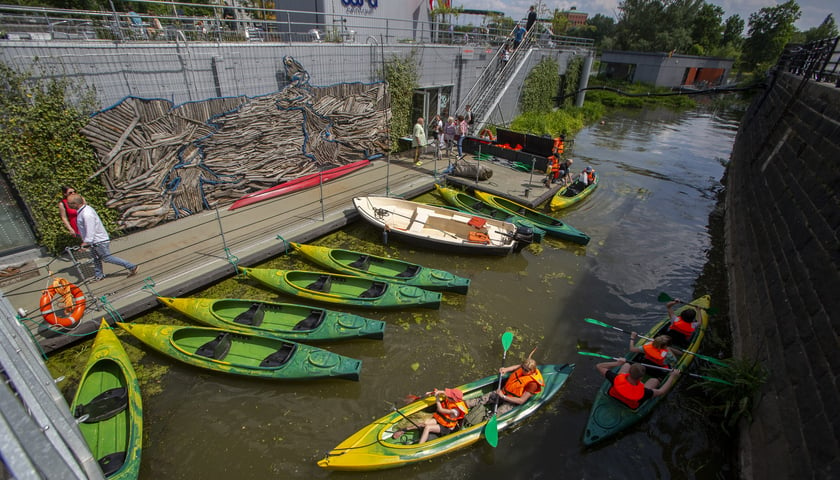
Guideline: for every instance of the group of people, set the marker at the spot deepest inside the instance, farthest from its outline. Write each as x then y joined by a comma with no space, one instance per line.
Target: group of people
657,358
443,135
524,381
82,221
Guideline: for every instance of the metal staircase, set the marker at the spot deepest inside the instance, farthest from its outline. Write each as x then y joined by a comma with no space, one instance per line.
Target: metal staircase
485,94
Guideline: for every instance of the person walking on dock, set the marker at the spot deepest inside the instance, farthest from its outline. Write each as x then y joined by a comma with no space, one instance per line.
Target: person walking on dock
94,236
418,140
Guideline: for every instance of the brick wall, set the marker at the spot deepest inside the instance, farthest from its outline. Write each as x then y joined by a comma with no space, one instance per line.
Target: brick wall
783,258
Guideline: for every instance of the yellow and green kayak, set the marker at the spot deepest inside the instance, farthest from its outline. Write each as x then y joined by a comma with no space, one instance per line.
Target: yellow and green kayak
552,226
608,416
344,289
109,408
383,268
282,320
252,355
374,448
572,194
464,201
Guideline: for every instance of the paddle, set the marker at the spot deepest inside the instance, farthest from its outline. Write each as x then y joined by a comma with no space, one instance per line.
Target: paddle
711,379
664,297
491,430
708,359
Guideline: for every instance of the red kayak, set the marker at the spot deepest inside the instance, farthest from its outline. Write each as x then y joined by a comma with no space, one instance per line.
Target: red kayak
301,183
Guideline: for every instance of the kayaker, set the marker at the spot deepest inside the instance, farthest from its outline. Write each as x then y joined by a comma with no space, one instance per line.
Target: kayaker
682,325
587,176
656,352
450,409
627,386
525,381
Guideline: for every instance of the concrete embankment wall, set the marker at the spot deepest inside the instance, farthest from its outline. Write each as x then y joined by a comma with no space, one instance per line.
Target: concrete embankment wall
783,256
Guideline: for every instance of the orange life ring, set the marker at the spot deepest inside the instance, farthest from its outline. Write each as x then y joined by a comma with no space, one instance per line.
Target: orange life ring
486,133
74,303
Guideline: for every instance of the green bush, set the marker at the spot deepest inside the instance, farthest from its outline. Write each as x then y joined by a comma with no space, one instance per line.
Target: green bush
41,149
541,87
402,77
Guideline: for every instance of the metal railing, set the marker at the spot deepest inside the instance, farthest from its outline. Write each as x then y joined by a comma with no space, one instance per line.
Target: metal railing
818,60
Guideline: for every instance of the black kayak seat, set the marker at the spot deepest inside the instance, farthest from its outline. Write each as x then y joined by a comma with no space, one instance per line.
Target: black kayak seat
312,321
321,285
362,263
111,463
375,290
409,272
280,357
217,348
253,316
103,406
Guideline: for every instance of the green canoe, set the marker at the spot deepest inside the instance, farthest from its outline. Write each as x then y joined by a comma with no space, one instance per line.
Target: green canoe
572,194
344,289
383,268
374,448
463,201
282,320
551,225
609,416
252,355
108,403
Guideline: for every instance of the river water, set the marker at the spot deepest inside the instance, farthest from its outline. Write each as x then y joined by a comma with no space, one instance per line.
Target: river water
659,173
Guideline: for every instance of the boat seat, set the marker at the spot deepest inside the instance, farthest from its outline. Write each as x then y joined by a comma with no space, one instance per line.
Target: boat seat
362,263
311,322
409,272
111,463
323,284
253,316
280,357
217,348
375,290
103,406
420,219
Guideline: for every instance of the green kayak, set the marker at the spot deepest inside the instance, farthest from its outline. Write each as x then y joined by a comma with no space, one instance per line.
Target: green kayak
609,416
383,268
471,204
374,448
252,355
572,194
344,289
551,225
109,407
283,320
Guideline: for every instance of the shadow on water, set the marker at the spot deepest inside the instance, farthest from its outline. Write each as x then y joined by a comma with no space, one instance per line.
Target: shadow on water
648,222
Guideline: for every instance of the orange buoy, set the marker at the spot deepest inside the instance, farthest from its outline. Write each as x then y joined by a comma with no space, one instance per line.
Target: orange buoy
486,133
73,299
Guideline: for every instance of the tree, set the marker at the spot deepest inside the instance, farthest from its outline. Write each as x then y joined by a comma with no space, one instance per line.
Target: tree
596,28
559,22
827,29
770,29
708,29
732,29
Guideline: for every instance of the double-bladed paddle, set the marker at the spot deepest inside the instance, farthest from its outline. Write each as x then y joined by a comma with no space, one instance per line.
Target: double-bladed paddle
704,377
664,297
491,430
704,357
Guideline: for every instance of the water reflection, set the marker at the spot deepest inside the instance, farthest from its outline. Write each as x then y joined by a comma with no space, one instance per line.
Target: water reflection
647,221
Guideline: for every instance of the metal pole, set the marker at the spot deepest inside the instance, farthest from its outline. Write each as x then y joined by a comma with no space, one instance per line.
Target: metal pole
321,187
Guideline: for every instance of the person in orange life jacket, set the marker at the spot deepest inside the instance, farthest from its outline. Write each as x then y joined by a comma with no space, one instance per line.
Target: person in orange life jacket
655,352
525,381
449,410
627,386
553,172
682,325
587,176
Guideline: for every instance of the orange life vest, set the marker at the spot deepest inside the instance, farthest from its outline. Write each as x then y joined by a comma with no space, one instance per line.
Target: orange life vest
655,355
517,382
447,420
626,392
555,164
683,327
590,177
558,146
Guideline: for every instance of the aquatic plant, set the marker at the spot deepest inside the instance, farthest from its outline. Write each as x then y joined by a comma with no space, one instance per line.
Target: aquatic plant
732,402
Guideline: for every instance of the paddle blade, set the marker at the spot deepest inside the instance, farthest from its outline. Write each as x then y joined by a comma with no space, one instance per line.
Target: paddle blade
507,340
491,432
591,354
664,297
596,322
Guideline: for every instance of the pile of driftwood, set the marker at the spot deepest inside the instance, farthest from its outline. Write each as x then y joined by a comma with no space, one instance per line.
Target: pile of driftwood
161,162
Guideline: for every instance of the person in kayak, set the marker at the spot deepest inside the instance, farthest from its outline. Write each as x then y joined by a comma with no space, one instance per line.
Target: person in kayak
449,410
682,325
656,352
627,386
525,381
